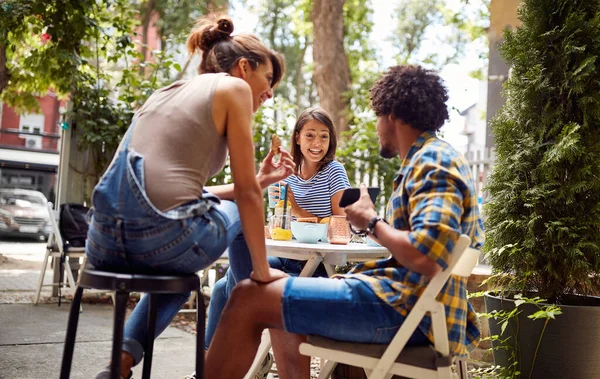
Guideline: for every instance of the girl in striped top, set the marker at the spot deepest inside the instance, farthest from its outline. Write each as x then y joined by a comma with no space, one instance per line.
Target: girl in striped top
317,185
315,191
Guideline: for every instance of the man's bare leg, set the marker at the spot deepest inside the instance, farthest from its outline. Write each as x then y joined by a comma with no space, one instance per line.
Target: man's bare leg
251,308
290,363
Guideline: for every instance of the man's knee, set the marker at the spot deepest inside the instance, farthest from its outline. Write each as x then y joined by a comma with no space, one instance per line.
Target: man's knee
257,300
246,291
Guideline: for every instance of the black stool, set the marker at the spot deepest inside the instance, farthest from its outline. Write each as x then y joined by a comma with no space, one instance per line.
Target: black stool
123,284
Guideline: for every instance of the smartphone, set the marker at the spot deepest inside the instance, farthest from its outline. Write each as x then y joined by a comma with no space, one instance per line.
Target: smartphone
351,195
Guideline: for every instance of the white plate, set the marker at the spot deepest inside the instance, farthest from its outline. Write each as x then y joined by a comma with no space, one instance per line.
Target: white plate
29,229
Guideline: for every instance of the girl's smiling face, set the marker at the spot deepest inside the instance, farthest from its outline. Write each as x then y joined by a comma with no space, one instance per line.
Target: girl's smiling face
313,140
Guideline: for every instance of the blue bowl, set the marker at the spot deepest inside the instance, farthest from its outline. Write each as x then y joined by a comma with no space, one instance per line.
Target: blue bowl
308,232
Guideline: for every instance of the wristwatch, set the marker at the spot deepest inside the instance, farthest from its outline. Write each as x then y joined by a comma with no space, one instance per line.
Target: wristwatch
372,223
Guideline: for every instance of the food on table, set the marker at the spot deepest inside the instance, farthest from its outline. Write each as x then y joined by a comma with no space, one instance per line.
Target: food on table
275,144
280,204
324,220
307,219
281,234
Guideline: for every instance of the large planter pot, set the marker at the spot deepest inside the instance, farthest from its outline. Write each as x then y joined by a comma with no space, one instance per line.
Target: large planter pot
568,348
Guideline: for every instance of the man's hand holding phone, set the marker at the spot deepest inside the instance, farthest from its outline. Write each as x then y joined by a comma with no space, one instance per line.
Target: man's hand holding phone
362,210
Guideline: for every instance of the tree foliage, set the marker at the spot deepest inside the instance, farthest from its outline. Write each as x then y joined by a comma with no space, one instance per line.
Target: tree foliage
173,20
431,33
544,209
83,49
44,45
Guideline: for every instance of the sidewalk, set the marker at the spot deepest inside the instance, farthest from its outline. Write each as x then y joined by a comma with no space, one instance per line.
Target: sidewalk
32,337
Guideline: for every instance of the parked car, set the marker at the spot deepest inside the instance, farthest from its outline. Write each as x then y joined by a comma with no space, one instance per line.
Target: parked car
24,213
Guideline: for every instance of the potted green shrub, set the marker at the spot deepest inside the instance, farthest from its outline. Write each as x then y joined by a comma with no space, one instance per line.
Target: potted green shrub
543,214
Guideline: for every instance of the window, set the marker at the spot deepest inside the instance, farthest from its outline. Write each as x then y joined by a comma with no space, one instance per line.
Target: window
31,123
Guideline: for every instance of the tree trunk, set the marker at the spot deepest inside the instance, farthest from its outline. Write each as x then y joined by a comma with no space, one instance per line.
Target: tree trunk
332,71
149,9
4,75
300,79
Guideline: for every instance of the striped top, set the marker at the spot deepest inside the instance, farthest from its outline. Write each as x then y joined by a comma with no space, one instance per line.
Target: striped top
435,200
314,195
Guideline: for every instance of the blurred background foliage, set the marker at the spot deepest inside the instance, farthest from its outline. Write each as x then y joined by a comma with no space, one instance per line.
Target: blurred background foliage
94,53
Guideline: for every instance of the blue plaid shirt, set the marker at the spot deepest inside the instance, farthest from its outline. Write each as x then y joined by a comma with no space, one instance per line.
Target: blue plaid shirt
435,200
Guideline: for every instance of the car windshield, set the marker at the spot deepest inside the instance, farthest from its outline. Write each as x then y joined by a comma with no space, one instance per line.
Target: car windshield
21,199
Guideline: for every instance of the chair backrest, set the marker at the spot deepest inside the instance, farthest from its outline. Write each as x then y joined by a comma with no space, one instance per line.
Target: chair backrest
456,259
466,263
55,231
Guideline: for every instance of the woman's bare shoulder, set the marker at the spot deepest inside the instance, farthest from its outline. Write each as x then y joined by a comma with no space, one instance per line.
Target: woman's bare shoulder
231,84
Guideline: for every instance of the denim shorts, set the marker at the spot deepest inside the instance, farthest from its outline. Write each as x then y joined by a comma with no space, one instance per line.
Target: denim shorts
341,309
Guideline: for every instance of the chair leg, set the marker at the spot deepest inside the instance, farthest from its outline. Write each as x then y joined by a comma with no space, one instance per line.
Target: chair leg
41,280
82,267
150,334
200,324
261,354
327,370
65,369
461,367
117,345
71,279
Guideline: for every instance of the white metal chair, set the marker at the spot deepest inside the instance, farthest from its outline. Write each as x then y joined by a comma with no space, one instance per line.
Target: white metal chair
423,362
55,249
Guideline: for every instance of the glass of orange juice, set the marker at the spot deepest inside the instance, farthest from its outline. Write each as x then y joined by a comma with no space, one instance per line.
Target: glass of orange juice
279,227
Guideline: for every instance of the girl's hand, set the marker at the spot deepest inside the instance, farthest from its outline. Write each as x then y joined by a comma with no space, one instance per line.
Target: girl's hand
271,172
268,276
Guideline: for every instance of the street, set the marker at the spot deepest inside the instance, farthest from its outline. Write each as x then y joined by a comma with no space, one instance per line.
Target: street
20,263
28,250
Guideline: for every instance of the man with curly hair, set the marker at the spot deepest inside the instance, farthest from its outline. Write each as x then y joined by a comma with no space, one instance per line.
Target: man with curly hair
433,203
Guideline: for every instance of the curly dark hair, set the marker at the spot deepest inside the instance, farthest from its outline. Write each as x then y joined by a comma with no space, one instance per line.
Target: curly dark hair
412,94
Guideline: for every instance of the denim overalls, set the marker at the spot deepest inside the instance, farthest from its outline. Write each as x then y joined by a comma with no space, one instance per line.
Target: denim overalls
128,233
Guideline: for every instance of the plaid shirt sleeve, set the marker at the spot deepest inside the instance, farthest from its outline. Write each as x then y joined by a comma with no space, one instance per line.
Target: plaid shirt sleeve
435,205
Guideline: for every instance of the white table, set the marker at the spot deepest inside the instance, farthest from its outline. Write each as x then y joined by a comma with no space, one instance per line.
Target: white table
328,254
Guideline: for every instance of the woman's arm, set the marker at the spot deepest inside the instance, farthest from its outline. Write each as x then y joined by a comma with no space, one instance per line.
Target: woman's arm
269,173
237,96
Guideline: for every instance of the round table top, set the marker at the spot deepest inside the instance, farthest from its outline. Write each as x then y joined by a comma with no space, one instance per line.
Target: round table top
351,248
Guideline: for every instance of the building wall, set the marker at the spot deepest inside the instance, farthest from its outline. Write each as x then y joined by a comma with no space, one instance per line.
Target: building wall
49,107
29,174
503,15
153,39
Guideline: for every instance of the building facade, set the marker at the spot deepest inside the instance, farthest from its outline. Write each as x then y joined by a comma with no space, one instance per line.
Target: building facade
503,15
29,146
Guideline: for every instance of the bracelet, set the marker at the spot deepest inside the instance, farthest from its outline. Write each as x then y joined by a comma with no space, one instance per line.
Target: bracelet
360,232
372,223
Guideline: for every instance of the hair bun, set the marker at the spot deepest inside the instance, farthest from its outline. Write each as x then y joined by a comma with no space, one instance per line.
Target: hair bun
224,25
216,33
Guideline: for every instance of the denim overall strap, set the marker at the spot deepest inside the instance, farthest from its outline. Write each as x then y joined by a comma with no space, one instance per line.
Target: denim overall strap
106,194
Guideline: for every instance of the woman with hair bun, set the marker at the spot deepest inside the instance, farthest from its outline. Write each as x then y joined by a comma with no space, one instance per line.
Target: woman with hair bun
152,210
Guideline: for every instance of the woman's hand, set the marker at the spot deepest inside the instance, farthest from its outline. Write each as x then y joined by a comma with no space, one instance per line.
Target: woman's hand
271,172
268,276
